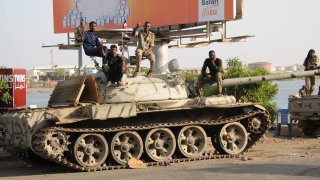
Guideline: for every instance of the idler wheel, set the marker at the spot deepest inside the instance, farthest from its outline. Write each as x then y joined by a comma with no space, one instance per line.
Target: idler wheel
192,141
160,144
233,138
90,150
126,145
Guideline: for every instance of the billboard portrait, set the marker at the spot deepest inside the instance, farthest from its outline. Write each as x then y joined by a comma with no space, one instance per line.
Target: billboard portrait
112,14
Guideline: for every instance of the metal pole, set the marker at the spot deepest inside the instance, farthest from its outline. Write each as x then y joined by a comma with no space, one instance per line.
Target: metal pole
161,53
80,70
51,54
68,36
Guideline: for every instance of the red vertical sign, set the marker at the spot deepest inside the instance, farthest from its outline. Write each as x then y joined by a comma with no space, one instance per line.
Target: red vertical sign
19,88
16,79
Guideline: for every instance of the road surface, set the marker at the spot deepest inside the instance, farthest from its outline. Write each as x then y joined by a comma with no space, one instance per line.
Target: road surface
275,158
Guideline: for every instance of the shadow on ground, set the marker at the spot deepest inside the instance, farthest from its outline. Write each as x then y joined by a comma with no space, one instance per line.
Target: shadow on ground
10,166
266,169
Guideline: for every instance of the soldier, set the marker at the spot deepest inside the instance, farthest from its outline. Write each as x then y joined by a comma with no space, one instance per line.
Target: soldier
78,32
310,63
145,46
216,72
302,91
91,44
114,66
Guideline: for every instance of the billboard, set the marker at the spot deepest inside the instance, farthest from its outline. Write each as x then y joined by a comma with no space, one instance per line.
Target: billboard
112,14
16,79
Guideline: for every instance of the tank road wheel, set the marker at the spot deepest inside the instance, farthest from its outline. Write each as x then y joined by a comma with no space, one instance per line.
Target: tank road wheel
233,138
90,150
192,141
160,144
125,145
311,128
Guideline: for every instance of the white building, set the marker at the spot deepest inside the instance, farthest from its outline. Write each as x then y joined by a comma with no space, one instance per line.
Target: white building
69,70
280,68
265,65
295,67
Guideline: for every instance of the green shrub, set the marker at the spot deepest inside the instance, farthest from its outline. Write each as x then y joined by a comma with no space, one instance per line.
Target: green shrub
5,97
262,93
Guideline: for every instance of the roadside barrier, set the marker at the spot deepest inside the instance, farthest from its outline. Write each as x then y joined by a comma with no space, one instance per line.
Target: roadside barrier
283,118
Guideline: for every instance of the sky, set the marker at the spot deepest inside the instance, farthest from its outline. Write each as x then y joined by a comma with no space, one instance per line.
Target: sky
284,32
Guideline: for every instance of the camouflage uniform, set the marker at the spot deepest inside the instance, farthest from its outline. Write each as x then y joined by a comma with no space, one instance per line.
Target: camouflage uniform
216,74
302,91
145,41
310,64
78,34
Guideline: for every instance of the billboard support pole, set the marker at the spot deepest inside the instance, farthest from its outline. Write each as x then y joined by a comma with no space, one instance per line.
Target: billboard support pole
224,31
80,70
161,53
208,30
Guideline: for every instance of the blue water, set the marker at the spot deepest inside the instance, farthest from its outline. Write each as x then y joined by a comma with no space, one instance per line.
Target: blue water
289,87
37,98
285,89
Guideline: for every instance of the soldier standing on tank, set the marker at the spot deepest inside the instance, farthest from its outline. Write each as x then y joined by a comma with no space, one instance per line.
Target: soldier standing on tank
145,46
114,66
78,32
216,72
310,63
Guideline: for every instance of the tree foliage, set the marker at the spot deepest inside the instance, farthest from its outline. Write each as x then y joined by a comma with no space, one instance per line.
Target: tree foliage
58,73
5,97
190,77
262,93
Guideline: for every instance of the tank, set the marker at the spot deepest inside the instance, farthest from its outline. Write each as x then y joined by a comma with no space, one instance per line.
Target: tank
90,126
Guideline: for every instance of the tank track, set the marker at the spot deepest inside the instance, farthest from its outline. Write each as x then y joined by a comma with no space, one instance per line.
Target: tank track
38,140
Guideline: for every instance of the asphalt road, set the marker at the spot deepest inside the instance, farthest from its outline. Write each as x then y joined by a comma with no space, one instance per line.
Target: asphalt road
275,158
273,168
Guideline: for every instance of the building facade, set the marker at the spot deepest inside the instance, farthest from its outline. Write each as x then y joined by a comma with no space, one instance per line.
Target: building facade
265,65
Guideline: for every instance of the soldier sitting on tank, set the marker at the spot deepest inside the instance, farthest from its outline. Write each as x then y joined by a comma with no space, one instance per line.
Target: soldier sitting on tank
114,66
91,44
310,63
145,46
216,72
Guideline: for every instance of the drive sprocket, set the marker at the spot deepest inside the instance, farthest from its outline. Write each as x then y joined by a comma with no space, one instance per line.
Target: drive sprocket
53,144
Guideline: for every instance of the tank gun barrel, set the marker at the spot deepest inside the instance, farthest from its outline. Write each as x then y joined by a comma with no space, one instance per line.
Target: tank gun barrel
256,79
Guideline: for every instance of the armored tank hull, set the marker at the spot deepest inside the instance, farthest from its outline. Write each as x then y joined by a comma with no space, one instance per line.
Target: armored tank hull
306,110
90,126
